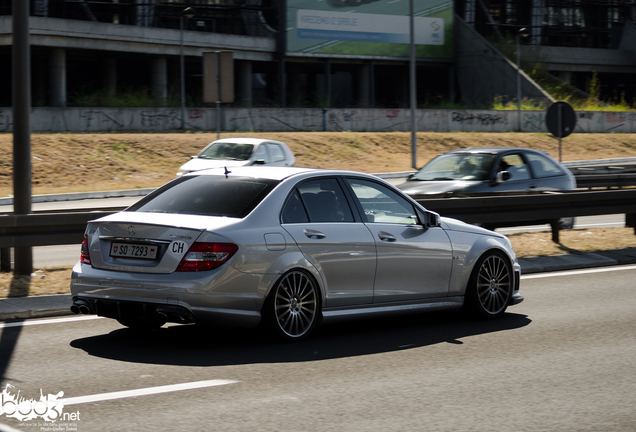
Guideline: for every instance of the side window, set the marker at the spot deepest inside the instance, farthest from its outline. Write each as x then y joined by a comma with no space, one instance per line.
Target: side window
260,153
514,164
325,201
542,166
294,212
381,204
278,155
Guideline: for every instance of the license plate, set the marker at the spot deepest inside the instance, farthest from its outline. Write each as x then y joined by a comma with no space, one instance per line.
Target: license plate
131,250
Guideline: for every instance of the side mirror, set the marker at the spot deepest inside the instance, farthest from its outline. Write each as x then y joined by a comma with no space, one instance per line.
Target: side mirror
410,177
193,157
259,162
502,176
429,219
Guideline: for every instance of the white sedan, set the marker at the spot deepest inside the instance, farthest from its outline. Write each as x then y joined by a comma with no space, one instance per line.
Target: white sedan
286,248
234,152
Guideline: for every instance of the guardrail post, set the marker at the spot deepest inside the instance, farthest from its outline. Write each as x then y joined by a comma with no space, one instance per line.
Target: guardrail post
5,260
630,221
554,224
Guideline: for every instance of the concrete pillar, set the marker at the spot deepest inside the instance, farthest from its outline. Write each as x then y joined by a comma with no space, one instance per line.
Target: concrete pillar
245,82
38,81
538,8
58,77
469,12
451,83
364,86
371,84
403,90
294,85
110,76
160,79
327,95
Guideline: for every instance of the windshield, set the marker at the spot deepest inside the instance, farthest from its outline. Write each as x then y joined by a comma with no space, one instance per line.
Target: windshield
207,195
227,151
457,166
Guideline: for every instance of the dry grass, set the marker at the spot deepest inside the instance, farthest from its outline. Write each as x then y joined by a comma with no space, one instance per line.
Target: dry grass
74,162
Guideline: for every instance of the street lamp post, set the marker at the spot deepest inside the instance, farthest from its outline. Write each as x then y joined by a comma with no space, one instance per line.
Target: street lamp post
413,90
519,81
187,13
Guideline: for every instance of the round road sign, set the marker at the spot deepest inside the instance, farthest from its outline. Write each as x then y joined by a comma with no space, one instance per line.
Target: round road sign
560,119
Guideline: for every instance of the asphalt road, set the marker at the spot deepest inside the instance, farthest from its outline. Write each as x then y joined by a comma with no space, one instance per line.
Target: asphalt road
563,360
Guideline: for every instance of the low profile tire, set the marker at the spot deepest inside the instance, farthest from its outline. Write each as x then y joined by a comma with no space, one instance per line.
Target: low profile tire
292,308
490,286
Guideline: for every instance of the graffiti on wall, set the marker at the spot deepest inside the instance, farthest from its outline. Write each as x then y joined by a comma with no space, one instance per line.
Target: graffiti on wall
484,119
309,119
100,120
533,122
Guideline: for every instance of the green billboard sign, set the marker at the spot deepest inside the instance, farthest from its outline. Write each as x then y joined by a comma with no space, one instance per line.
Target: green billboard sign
369,27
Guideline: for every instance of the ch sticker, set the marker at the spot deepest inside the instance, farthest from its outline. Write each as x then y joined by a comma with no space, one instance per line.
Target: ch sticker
178,247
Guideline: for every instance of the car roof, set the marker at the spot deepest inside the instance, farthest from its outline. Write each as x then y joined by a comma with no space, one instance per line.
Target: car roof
273,172
245,140
264,172
492,150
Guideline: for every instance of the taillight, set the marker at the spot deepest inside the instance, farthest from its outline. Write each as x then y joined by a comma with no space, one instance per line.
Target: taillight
85,258
206,256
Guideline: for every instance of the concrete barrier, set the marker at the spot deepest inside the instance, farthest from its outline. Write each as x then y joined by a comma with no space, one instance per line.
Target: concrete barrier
308,119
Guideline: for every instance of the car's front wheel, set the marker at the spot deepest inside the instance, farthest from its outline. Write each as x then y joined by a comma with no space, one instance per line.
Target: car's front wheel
292,308
490,286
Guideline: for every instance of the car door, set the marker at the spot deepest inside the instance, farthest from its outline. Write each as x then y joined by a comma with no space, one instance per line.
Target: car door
260,156
413,261
548,175
277,154
520,176
318,216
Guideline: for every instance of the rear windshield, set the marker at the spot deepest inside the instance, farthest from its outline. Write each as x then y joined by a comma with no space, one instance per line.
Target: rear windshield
207,195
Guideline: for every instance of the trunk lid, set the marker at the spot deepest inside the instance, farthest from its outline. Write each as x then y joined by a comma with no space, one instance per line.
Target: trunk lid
146,242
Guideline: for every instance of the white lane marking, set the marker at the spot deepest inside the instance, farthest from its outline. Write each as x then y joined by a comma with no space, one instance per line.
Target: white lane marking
599,224
145,391
577,272
50,321
543,228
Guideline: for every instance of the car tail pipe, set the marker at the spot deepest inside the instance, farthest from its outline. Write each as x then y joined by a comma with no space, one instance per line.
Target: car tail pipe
82,307
175,314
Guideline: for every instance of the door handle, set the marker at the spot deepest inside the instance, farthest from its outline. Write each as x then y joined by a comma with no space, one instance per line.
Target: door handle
313,234
385,236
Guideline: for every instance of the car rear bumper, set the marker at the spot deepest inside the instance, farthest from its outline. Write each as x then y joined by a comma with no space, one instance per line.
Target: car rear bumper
110,294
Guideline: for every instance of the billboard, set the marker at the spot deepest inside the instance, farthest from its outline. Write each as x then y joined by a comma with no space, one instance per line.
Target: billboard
369,27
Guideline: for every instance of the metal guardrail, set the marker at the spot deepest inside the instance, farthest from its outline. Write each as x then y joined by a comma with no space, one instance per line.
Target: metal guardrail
605,180
44,229
547,207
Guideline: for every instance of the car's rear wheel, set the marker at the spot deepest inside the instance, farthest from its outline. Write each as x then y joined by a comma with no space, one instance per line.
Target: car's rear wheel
292,308
490,286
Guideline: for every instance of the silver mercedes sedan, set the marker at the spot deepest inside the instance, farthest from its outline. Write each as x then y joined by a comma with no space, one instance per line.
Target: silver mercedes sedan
286,249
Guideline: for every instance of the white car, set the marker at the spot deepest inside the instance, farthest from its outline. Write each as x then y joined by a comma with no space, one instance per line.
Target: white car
234,152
